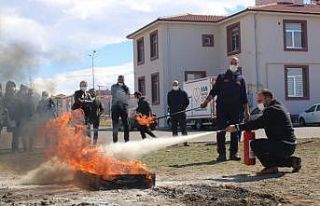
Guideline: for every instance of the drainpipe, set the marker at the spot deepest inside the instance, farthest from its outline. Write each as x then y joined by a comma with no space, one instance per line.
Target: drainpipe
166,73
256,51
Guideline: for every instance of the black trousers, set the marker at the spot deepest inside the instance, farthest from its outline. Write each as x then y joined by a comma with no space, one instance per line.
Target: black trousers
225,117
273,153
145,130
181,121
15,140
95,124
118,111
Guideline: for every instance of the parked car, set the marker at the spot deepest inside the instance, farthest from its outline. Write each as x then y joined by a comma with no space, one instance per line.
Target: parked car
310,116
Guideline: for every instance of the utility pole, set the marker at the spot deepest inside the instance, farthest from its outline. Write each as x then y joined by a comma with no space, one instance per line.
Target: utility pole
92,65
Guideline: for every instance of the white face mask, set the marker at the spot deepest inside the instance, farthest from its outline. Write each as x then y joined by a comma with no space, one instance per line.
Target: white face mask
233,68
121,84
175,88
83,89
261,106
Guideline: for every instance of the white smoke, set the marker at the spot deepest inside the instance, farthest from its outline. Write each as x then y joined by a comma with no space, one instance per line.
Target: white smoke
50,172
133,150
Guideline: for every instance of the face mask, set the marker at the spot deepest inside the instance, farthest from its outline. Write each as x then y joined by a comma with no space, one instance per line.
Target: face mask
175,88
83,88
233,68
261,106
121,84
44,97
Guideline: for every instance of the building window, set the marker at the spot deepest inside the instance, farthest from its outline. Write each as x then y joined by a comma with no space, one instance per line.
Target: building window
297,82
295,35
155,88
207,40
154,45
234,39
140,51
142,85
192,75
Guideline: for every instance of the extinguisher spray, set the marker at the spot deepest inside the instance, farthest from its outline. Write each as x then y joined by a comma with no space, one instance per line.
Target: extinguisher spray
249,157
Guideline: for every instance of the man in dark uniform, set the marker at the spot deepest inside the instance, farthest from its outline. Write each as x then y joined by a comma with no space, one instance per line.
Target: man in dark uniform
10,104
120,101
177,101
96,111
277,150
28,129
230,89
82,100
46,108
144,109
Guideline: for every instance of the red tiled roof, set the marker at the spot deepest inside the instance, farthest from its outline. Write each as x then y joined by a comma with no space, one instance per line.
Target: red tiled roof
193,18
289,8
281,8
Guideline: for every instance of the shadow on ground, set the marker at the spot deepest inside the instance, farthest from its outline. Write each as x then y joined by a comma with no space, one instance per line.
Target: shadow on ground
211,162
246,178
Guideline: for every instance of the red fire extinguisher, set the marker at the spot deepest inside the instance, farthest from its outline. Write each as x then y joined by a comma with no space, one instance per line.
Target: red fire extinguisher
249,157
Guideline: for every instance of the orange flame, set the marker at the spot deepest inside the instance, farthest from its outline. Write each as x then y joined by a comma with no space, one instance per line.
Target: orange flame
145,120
73,147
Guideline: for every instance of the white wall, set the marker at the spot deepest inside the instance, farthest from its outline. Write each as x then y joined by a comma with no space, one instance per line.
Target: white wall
262,56
248,51
272,57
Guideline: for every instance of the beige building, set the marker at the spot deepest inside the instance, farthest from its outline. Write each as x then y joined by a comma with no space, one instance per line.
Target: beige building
277,42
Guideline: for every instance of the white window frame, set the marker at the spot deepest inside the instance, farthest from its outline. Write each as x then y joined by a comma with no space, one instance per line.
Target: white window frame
293,33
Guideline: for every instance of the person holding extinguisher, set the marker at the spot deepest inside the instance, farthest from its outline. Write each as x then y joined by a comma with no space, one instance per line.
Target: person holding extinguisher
277,150
230,89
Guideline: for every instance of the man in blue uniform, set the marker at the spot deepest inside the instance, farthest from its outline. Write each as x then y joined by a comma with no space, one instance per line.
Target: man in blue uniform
230,89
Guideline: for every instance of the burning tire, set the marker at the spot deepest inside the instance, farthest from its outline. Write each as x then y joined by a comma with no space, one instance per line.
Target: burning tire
124,181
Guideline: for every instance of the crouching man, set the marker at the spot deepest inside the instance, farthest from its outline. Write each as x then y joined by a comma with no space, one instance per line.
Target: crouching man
277,150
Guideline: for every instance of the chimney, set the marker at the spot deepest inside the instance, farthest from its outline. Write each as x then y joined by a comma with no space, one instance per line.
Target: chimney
265,2
285,1
298,2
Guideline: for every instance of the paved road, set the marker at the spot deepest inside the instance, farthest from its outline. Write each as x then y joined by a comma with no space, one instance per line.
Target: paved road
106,136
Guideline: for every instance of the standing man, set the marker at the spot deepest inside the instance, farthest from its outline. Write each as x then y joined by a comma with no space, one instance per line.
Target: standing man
10,103
29,129
230,89
96,111
120,100
177,101
144,109
82,100
277,150
46,108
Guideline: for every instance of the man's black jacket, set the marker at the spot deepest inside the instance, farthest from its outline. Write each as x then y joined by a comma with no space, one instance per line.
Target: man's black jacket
82,100
276,123
143,107
177,101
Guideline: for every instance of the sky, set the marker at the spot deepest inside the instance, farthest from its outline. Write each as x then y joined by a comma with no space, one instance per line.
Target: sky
53,38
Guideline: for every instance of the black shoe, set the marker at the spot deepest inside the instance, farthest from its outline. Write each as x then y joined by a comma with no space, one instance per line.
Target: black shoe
235,157
186,144
221,158
296,164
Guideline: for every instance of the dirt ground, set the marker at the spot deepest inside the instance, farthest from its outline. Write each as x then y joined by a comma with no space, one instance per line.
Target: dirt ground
185,176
